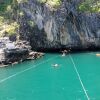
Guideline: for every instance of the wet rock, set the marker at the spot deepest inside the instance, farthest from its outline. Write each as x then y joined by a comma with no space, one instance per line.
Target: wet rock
12,56
20,51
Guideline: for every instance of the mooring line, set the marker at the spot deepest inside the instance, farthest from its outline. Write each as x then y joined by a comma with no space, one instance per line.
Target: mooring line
79,78
25,70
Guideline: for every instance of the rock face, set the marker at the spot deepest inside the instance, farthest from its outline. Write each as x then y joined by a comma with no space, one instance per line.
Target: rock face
63,27
15,55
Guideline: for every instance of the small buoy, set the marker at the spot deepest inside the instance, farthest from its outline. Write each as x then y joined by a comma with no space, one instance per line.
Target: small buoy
97,54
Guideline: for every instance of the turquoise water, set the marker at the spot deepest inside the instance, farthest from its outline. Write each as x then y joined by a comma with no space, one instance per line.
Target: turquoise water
76,78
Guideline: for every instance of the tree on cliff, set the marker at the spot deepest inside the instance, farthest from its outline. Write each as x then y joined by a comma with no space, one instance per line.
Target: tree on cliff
92,6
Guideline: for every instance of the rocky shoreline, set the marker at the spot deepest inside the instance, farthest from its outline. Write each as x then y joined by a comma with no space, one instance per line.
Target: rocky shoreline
15,52
18,59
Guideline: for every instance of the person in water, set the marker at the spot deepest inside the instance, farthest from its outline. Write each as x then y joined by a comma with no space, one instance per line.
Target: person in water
55,65
64,52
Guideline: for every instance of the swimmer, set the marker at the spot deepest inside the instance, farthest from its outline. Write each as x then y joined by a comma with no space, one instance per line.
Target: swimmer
64,52
55,65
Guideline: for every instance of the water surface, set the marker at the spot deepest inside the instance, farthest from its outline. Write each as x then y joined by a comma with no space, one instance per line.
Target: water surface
76,78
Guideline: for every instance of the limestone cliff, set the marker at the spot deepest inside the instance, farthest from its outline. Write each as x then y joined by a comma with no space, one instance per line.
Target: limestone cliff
62,27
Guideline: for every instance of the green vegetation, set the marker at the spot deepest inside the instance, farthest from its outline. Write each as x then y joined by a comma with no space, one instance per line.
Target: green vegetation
12,28
53,3
8,15
31,23
6,27
4,4
22,1
90,6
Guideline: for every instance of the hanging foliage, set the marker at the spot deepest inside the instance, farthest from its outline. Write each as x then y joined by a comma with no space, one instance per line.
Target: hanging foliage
53,3
8,15
92,6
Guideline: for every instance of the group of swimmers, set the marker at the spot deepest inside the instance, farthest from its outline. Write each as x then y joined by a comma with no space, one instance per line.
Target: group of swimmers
64,52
